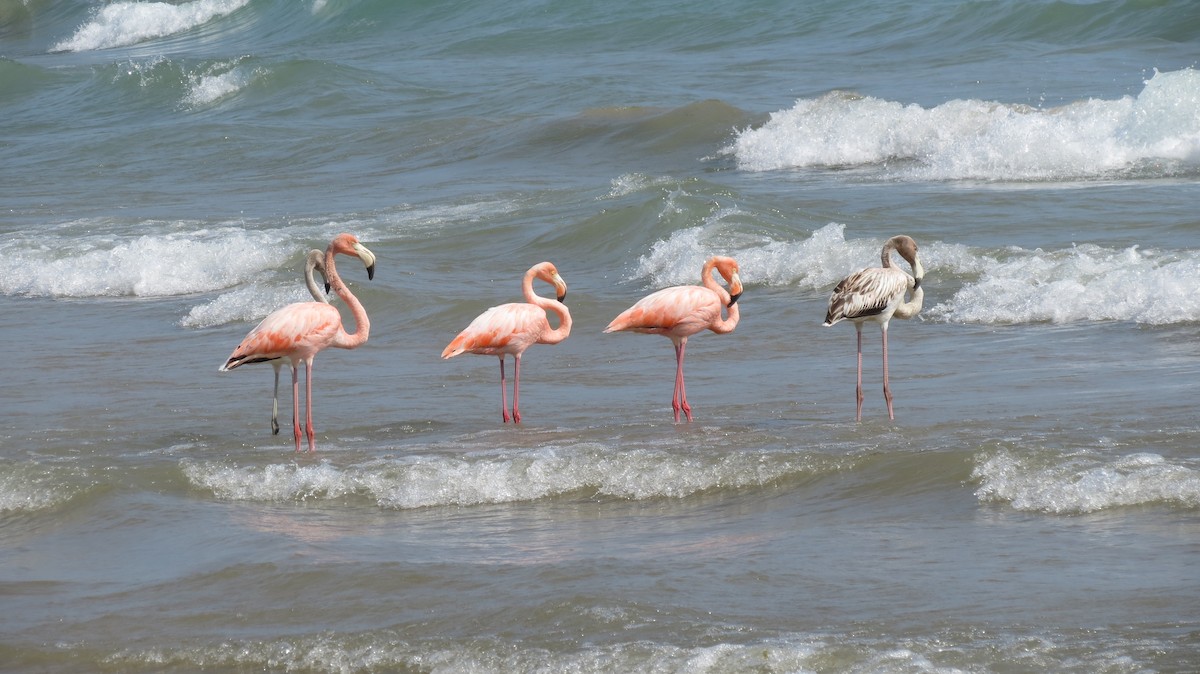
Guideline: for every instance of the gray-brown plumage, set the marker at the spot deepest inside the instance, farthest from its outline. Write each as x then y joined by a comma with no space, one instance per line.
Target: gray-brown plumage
877,294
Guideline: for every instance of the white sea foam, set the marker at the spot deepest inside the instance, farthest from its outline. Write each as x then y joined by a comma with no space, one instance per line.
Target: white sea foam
245,305
30,487
417,481
1084,482
1082,283
152,265
859,651
1158,132
121,24
209,88
985,286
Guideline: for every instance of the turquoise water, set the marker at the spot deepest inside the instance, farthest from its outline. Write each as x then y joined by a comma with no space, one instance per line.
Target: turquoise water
165,167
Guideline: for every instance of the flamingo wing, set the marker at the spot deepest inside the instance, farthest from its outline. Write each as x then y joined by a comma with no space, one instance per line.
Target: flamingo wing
867,293
296,331
508,328
680,310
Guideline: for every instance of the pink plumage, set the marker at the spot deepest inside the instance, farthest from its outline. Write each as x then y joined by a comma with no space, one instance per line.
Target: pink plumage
679,312
510,329
297,332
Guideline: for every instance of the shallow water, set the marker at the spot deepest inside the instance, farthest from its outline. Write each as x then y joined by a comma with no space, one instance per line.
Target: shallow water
1032,508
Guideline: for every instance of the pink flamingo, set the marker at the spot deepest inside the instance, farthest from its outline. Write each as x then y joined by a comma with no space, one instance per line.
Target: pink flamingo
512,328
299,331
682,311
877,294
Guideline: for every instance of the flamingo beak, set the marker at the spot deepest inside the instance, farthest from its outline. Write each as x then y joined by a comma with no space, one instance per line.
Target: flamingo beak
368,259
918,272
560,287
735,288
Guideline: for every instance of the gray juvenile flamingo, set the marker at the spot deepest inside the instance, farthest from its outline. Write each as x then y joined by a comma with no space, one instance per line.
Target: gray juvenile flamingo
877,294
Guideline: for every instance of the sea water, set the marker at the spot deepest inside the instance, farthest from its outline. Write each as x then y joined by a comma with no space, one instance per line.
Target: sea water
1035,505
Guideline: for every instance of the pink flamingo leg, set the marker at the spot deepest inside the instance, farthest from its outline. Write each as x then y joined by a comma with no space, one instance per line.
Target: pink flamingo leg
503,393
308,368
296,405
887,391
858,392
679,397
683,403
516,388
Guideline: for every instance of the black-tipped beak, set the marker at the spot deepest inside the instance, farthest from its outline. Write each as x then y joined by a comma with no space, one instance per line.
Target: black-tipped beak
916,283
371,273
733,300
562,298
327,287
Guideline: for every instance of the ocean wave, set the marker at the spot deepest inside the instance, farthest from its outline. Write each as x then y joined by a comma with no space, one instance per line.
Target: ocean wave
418,481
1155,134
152,265
1084,482
726,651
121,24
218,82
29,487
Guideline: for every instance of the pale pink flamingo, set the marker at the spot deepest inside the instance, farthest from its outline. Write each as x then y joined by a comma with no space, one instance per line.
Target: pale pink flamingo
512,328
682,311
299,331
877,294
314,262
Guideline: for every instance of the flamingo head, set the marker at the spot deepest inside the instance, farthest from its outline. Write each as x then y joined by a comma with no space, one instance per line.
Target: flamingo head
728,268
315,262
347,244
907,247
547,272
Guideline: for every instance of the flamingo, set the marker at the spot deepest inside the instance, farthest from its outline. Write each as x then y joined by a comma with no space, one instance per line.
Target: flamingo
877,294
313,262
299,331
512,328
679,312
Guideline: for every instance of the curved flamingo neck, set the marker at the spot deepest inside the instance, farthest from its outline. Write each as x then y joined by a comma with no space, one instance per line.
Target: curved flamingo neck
886,255
310,279
347,340
721,325
560,333
706,278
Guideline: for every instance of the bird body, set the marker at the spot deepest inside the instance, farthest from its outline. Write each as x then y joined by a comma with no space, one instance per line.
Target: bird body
877,294
510,329
297,332
505,329
679,312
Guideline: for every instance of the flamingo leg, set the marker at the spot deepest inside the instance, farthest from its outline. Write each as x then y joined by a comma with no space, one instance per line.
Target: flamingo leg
887,391
683,403
858,392
503,393
679,397
275,400
516,388
308,369
675,391
296,405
